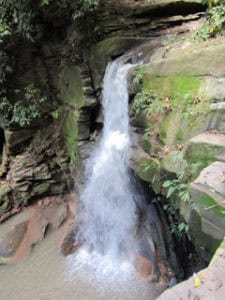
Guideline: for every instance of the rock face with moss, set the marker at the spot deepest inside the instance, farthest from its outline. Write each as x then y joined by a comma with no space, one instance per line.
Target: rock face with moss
180,97
180,82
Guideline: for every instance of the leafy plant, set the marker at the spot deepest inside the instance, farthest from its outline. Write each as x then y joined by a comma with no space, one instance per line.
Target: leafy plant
27,109
5,111
148,101
182,189
215,21
23,111
176,185
180,229
84,7
139,75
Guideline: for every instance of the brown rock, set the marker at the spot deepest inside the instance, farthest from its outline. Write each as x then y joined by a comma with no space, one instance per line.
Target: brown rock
144,267
69,245
11,242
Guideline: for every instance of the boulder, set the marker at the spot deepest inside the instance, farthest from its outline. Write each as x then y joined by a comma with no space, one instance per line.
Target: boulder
144,267
16,140
207,284
11,242
208,193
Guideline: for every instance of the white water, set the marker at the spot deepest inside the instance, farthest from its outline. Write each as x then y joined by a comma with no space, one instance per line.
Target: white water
107,221
107,217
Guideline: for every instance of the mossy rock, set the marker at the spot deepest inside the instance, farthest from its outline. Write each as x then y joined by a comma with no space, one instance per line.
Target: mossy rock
198,157
175,86
103,52
4,197
205,244
71,87
219,253
188,69
70,133
208,192
173,162
15,140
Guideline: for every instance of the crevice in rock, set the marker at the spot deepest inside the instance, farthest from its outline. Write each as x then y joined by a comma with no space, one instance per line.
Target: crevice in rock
174,249
2,142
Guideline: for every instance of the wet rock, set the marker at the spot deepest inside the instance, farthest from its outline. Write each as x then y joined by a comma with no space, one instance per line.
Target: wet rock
49,212
208,193
144,267
4,197
60,216
69,245
11,242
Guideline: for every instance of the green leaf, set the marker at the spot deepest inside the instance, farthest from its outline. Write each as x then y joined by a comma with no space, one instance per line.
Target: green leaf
185,196
167,183
171,190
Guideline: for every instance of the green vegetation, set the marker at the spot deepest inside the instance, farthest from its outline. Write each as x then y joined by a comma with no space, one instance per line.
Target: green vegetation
214,24
198,157
182,191
19,20
178,226
210,204
24,110
149,103
139,75
180,229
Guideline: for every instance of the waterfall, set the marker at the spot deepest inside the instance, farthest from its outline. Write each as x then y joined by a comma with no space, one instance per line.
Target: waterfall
107,214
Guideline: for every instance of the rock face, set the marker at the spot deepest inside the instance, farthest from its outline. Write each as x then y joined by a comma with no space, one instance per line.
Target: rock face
43,170
202,75
208,192
69,67
185,132
210,281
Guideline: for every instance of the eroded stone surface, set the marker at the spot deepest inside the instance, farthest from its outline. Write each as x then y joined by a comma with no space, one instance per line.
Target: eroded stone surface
212,282
49,212
208,192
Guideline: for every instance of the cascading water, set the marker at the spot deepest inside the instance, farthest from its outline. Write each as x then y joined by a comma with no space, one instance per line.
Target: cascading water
107,217
108,224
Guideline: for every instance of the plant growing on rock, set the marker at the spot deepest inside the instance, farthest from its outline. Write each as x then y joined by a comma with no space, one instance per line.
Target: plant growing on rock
182,189
29,108
23,111
180,229
149,102
139,75
214,23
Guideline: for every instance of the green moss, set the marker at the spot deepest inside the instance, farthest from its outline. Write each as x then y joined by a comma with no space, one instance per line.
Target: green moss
71,87
147,169
179,138
41,188
4,197
173,86
209,203
205,244
4,205
70,132
198,158
217,258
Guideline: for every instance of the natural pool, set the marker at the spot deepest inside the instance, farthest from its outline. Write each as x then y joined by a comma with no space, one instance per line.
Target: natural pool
47,275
